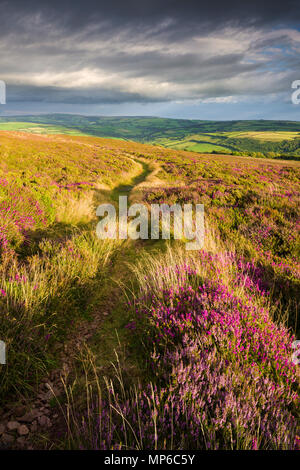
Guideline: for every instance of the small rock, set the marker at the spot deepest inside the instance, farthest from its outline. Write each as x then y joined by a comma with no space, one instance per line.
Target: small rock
46,396
44,421
34,427
13,425
20,411
30,416
23,430
21,441
7,439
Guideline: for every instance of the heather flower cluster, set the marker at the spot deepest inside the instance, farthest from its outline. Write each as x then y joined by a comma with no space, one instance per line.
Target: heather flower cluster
20,212
222,371
225,360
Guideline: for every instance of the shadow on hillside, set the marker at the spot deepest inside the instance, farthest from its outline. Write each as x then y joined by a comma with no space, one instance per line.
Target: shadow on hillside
288,157
59,232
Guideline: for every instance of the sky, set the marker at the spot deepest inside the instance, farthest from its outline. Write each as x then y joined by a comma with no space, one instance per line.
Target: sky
190,59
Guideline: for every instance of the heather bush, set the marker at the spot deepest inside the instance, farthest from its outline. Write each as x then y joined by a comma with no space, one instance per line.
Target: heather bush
19,213
254,206
222,375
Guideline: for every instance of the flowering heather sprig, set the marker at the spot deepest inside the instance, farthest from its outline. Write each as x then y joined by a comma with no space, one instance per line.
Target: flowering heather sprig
19,213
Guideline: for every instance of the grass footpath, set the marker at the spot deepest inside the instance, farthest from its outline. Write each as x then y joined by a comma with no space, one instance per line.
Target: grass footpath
96,309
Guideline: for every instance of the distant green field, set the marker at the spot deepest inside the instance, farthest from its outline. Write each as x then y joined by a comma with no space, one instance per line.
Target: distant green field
206,148
205,143
36,128
265,136
195,146
16,126
272,139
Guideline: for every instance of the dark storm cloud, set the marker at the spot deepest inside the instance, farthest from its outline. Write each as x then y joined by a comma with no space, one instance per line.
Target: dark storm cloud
30,94
119,13
146,51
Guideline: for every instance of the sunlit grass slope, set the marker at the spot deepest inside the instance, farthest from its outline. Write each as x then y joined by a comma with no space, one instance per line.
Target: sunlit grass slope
50,256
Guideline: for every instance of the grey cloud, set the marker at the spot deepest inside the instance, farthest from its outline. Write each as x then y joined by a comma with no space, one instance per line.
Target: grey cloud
30,94
77,13
143,51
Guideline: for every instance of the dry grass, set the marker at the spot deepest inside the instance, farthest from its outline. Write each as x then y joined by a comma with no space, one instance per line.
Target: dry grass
74,210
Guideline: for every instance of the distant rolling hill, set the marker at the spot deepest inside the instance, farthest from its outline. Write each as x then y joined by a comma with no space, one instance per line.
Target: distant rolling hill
260,138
